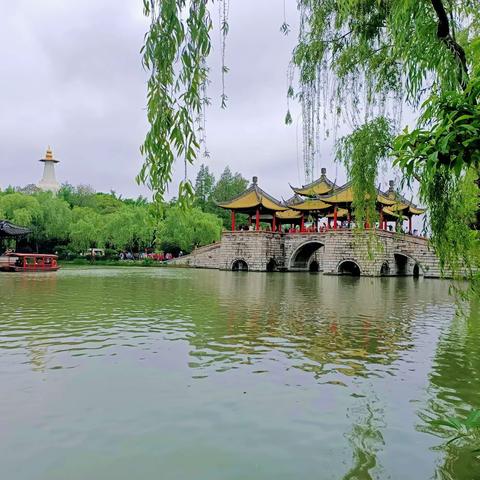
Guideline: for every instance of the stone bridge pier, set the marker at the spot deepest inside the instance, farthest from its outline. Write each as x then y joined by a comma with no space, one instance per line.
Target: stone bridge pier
336,252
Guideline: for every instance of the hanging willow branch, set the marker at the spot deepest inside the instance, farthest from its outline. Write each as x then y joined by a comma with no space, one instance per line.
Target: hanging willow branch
380,53
362,152
175,52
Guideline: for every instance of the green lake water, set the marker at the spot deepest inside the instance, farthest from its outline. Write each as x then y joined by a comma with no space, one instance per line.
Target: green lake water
187,374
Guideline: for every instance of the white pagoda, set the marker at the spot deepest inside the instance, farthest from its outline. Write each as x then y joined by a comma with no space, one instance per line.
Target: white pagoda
48,181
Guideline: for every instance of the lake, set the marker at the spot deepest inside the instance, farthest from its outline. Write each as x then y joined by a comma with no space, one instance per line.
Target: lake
138,373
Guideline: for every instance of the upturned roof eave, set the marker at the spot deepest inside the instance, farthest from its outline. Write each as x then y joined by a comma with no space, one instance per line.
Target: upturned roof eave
260,195
8,229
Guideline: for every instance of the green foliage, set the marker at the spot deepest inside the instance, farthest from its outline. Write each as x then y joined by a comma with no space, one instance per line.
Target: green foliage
78,219
19,208
378,47
448,134
208,193
86,229
443,152
229,185
188,228
52,220
204,185
361,152
130,227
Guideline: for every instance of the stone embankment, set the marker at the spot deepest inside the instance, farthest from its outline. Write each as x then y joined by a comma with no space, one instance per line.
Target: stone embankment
202,257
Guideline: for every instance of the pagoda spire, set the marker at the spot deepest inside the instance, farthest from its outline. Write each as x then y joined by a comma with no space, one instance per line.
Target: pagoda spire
49,181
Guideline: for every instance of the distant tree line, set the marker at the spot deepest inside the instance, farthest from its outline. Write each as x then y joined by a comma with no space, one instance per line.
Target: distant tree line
78,218
208,192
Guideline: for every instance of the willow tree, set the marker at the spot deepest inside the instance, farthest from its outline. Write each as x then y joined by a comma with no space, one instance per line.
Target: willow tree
355,59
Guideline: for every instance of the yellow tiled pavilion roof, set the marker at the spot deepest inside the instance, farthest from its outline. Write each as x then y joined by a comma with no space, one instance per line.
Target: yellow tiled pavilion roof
289,215
342,213
344,195
294,200
407,208
401,203
253,198
415,210
389,213
321,186
312,205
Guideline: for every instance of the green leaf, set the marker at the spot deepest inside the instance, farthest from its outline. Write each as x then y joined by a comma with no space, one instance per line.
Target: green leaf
450,422
473,419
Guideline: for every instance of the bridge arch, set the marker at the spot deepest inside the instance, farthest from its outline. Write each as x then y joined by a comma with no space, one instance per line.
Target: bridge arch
350,267
301,258
271,265
406,265
385,269
239,265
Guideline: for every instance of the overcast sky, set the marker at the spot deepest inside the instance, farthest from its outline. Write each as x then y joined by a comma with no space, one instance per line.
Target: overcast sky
72,78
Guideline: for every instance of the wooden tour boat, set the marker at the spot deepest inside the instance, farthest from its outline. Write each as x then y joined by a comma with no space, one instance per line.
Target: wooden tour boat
28,262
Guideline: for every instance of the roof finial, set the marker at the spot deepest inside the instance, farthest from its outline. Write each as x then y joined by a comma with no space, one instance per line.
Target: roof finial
255,180
390,185
324,171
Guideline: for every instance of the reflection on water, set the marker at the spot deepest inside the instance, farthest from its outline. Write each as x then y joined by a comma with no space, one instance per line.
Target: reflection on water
245,375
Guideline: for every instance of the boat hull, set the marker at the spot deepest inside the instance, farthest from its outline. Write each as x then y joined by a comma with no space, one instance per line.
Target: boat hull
11,268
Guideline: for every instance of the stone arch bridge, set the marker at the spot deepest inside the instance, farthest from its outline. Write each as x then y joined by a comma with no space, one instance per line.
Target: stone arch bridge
336,252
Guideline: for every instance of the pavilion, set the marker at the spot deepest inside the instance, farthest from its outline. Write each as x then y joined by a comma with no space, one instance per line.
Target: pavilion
337,203
9,231
319,199
403,207
342,198
257,204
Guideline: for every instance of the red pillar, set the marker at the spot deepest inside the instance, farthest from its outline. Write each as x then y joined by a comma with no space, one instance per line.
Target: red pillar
302,223
410,224
274,224
381,219
233,221
335,213
257,220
